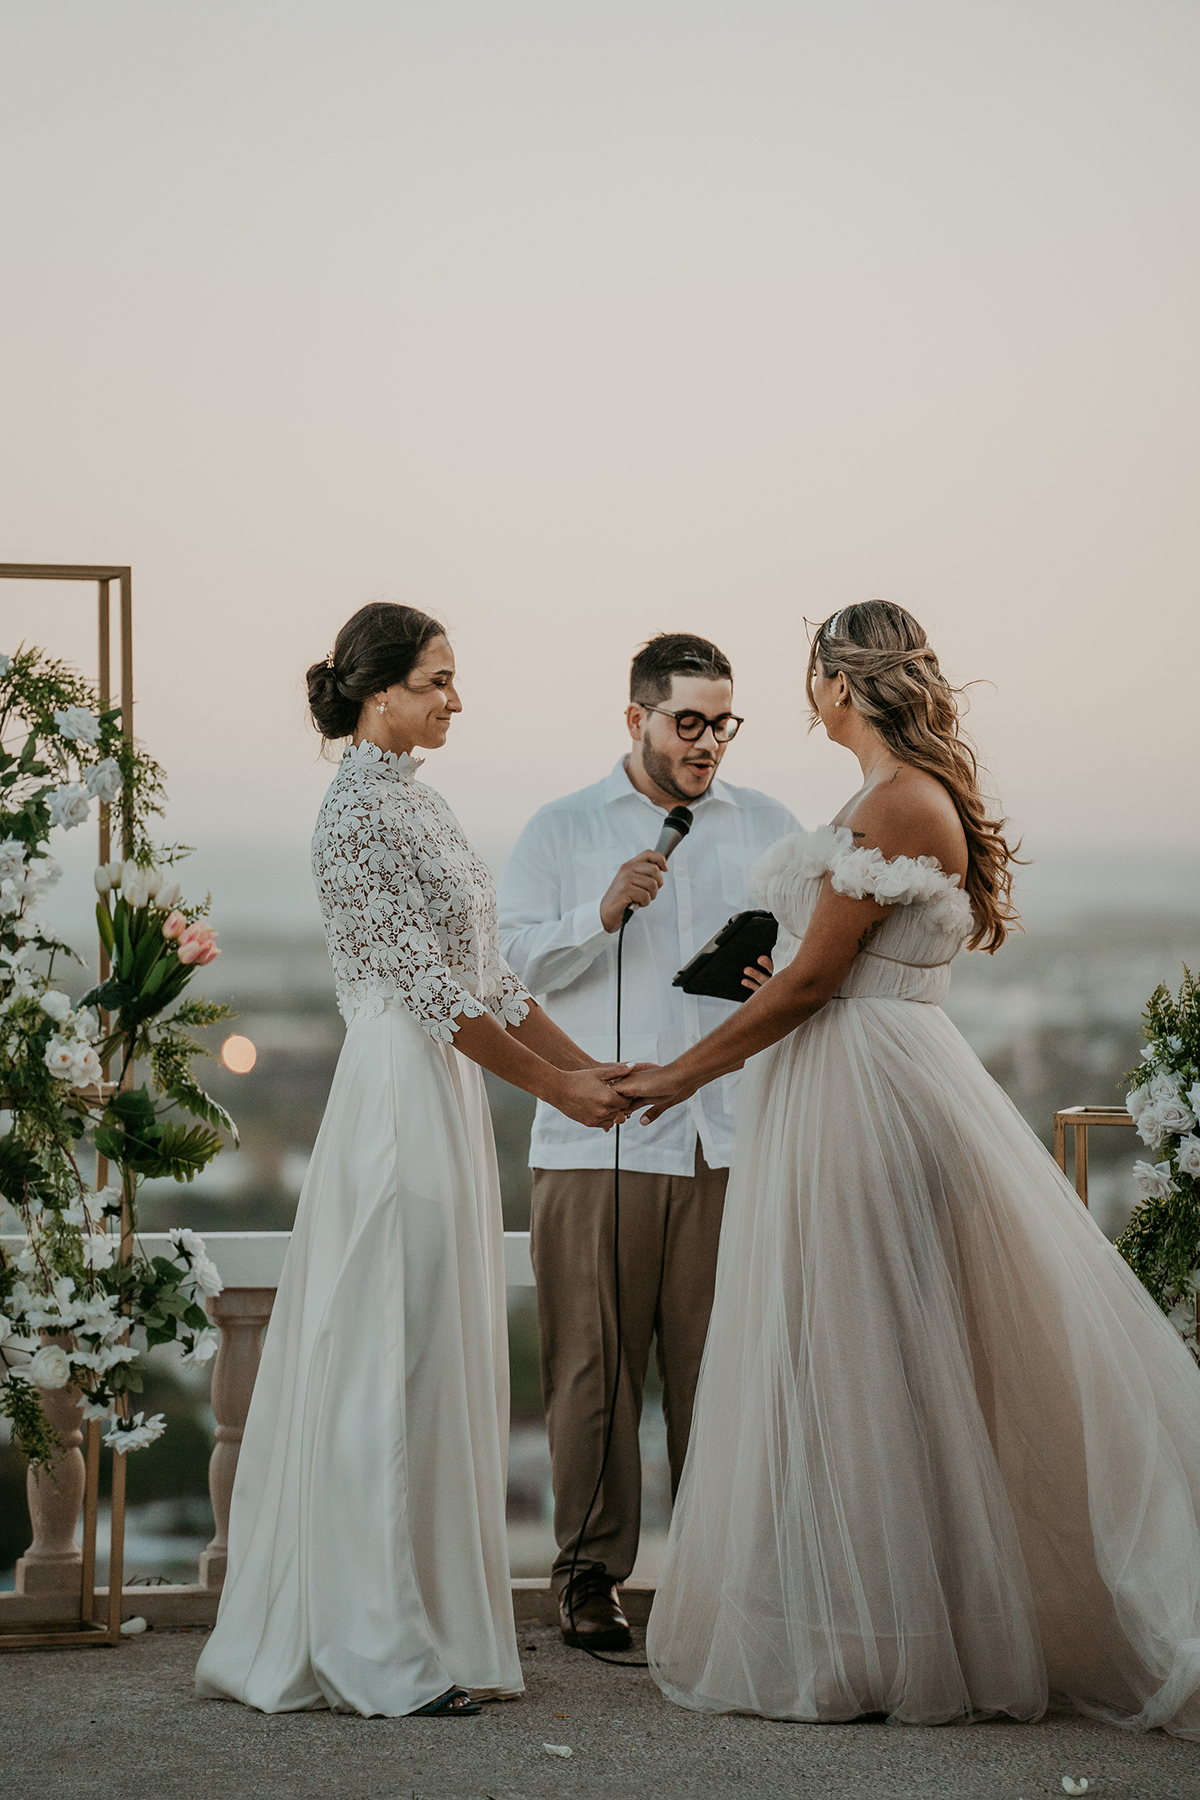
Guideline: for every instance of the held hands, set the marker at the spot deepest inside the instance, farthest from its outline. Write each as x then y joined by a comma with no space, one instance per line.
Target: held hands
588,1096
636,883
656,1089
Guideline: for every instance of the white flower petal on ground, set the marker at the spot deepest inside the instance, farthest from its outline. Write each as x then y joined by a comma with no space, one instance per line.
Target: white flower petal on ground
49,1367
78,725
134,1627
558,1749
1071,1786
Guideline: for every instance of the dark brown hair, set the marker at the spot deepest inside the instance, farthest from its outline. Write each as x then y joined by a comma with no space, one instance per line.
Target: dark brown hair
899,689
381,645
674,653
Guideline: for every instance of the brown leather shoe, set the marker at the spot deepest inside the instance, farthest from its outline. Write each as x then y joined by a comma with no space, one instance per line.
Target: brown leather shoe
599,1623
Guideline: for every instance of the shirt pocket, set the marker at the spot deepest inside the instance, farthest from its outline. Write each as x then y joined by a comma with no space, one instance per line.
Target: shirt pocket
734,862
591,872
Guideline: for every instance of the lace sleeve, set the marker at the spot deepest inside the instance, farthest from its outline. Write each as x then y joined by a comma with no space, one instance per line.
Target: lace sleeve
382,939
511,1004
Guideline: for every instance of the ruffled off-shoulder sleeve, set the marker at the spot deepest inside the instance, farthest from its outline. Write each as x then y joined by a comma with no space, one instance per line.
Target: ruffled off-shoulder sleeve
859,873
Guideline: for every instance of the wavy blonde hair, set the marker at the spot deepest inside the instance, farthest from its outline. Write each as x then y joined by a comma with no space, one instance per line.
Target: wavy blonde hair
899,689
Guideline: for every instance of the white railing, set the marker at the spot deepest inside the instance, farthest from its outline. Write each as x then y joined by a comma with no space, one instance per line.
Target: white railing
250,1264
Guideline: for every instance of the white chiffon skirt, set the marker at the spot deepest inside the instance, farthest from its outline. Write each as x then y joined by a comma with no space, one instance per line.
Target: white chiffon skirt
368,1557
945,1458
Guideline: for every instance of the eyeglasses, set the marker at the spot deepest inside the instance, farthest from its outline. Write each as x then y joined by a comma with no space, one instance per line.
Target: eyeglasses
693,725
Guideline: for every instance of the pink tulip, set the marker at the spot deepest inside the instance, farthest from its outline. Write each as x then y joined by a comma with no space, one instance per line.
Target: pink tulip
209,955
174,926
189,953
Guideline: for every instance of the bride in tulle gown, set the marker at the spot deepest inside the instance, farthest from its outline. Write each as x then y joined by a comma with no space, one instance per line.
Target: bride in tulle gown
945,1458
368,1557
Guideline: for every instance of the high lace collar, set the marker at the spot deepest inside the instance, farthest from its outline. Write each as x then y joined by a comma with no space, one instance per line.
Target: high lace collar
384,762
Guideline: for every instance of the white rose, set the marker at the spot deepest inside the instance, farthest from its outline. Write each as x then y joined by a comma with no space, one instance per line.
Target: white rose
49,1367
86,1065
104,781
86,1022
78,724
204,1274
69,806
12,856
1174,1116
183,1239
60,1058
1164,1087
1153,1180
1150,1127
1136,1101
1193,1098
56,1006
1189,1155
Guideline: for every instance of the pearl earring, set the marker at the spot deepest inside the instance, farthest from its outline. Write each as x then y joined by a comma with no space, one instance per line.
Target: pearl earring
383,706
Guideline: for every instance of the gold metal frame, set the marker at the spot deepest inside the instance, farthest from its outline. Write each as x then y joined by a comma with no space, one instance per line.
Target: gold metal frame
1082,1119
88,1629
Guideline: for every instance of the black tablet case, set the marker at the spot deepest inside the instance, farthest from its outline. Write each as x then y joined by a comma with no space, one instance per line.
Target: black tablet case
717,969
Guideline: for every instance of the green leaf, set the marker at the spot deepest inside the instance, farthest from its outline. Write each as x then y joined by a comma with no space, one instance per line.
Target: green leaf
193,1099
104,922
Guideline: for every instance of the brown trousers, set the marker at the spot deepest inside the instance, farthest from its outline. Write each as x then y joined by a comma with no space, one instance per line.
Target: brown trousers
670,1227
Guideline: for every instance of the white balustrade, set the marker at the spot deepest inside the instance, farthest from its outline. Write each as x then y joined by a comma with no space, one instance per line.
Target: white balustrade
250,1264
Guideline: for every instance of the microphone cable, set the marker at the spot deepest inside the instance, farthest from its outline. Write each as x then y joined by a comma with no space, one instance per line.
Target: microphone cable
614,1662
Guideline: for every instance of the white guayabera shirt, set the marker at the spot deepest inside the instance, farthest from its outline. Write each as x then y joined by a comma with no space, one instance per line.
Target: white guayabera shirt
552,937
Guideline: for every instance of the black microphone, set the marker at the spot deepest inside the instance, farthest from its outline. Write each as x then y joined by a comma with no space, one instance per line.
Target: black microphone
675,828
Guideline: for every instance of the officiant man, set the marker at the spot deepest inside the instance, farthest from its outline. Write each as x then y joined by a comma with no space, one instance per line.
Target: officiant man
576,867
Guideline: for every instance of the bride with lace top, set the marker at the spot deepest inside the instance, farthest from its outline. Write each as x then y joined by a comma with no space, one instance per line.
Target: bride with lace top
945,1458
368,1556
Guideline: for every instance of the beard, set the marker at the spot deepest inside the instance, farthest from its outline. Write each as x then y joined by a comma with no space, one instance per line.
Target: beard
661,770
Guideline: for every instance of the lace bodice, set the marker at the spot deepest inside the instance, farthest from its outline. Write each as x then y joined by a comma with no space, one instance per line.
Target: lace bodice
910,955
409,908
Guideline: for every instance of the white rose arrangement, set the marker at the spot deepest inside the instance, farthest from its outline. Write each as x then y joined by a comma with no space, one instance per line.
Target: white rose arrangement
79,1305
1162,1240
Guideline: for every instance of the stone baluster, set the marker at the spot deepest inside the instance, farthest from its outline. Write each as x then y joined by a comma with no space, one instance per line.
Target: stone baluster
53,1563
240,1315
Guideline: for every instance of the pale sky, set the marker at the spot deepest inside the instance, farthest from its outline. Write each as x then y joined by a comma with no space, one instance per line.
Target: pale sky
574,322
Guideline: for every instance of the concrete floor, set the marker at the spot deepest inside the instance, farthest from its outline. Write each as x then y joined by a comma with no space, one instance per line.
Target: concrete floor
125,1725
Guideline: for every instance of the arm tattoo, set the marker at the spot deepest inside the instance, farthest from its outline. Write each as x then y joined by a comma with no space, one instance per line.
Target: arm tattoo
868,934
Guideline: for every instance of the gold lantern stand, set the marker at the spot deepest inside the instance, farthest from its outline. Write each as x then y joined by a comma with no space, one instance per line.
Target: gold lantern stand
88,1629
1081,1120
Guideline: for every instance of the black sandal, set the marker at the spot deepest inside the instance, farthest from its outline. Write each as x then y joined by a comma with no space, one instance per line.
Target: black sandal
448,1705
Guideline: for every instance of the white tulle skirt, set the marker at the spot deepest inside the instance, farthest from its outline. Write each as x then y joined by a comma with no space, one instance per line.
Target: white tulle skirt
945,1459
368,1557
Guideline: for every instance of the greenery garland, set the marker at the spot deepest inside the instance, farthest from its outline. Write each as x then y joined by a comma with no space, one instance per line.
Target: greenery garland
71,1311
1161,1243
